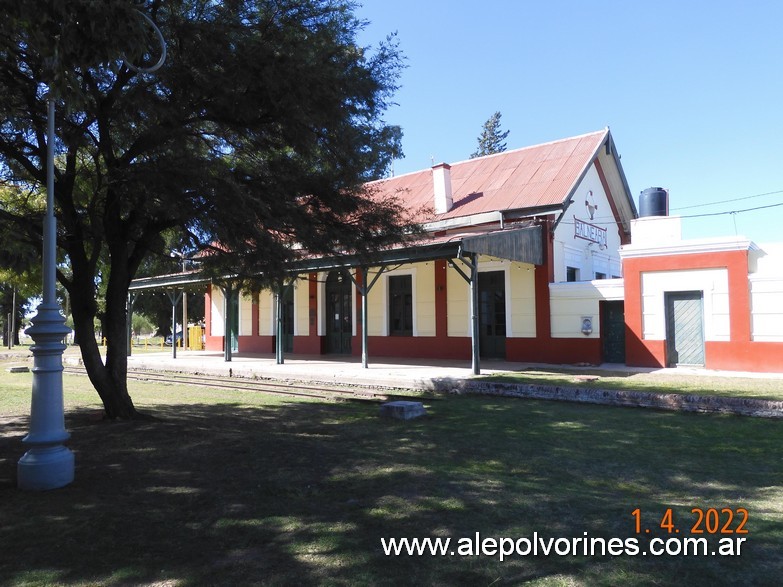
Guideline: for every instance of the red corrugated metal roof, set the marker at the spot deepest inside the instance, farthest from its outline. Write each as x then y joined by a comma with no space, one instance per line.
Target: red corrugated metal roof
540,175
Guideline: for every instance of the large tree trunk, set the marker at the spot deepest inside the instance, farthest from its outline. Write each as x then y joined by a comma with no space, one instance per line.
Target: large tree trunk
109,378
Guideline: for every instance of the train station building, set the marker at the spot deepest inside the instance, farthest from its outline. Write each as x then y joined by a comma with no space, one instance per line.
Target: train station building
533,255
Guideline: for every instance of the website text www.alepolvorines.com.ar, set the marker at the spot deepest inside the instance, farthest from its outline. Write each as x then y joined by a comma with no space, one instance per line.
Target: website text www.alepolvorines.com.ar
537,545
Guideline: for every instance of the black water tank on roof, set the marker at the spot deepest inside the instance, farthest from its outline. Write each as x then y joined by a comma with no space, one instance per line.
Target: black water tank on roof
654,202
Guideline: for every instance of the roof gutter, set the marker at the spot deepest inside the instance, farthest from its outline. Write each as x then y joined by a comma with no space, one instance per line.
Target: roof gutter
500,216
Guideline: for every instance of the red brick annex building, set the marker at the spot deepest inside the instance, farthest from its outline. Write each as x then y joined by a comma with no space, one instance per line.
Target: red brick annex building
529,257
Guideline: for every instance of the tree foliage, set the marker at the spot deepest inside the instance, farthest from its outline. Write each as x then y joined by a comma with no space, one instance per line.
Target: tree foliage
492,139
251,143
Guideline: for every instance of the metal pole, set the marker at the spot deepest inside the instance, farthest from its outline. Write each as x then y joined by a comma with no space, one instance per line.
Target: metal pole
228,294
474,314
364,291
13,319
174,301
185,341
279,355
48,464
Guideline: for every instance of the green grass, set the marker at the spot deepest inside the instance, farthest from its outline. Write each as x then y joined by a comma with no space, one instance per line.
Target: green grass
770,388
233,488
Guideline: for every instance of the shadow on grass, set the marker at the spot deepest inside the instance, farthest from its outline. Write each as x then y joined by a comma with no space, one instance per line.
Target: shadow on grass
302,493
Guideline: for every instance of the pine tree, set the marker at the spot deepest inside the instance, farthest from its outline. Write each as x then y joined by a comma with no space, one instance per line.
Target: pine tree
491,140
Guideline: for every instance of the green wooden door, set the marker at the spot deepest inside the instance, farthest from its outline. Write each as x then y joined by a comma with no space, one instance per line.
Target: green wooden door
492,314
684,328
288,319
613,331
339,318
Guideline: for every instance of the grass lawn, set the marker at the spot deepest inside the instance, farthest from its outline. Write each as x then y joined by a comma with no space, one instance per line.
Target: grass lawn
233,488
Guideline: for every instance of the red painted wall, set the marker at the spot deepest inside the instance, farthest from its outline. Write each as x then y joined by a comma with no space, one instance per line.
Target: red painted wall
737,354
418,347
554,350
256,344
213,343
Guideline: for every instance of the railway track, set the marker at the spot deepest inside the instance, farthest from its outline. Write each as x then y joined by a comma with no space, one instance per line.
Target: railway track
295,389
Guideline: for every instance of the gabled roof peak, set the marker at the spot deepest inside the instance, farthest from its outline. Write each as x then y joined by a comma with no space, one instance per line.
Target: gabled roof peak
531,178
605,131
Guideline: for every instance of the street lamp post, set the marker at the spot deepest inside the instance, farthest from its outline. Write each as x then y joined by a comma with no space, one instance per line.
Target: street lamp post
47,464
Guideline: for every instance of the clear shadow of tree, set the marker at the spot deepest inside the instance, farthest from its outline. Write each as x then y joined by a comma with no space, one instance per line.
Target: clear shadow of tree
302,493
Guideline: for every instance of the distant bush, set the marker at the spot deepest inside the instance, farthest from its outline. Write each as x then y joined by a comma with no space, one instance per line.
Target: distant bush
142,326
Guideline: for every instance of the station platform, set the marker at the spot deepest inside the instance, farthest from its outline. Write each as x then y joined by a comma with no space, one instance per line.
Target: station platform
348,370
383,372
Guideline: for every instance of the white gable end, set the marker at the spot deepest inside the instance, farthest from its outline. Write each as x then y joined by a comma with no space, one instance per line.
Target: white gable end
587,239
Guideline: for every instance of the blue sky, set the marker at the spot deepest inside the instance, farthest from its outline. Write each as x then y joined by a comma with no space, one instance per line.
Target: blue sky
692,92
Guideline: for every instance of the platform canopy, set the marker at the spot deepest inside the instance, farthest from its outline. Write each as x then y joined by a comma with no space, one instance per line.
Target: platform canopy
522,243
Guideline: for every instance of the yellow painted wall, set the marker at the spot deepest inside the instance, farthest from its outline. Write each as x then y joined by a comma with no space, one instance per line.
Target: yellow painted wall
520,297
425,299
523,300
376,305
423,283
245,314
458,305
266,304
302,307
569,302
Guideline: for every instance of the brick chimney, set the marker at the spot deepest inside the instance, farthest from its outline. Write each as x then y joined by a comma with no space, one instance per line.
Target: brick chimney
441,178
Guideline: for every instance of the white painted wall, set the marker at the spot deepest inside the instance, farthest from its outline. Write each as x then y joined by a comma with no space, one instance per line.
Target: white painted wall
714,283
766,293
217,318
588,257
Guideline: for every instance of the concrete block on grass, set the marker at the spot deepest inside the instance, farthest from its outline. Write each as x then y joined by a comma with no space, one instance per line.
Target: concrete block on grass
402,410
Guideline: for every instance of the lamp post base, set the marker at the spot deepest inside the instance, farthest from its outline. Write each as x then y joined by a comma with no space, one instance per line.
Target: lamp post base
40,469
47,464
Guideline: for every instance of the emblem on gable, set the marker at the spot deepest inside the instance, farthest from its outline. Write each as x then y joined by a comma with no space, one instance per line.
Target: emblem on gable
590,205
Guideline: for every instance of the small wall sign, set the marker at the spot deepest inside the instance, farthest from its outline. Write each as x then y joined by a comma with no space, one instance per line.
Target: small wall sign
587,325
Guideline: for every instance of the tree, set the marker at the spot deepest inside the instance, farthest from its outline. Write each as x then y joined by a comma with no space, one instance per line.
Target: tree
256,134
18,271
491,140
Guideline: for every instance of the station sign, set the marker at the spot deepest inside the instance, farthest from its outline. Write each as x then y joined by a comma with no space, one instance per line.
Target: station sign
590,232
